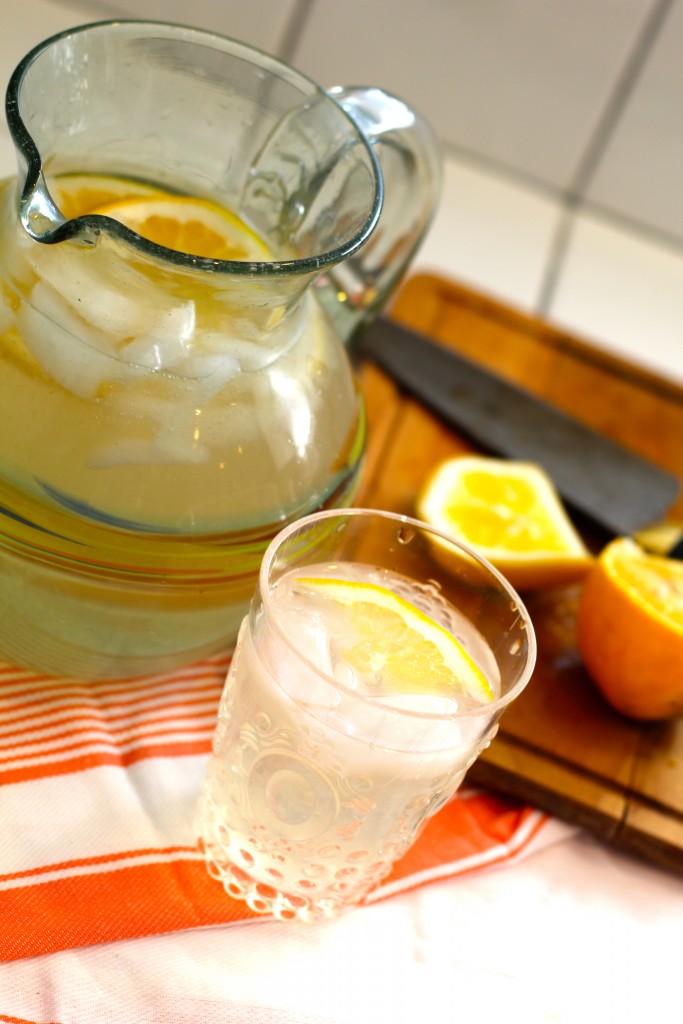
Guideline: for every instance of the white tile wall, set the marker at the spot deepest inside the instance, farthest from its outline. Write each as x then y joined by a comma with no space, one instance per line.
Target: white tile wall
622,290
492,232
641,173
23,26
261,23
519,82
525,94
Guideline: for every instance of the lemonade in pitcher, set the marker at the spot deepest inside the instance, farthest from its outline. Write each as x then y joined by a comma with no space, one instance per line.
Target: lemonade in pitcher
192,238
123,391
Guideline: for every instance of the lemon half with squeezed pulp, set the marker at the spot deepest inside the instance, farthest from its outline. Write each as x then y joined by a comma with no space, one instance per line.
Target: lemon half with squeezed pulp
394,637
630,630
510,513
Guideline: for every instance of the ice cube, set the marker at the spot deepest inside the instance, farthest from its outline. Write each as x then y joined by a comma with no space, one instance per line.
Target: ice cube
281,398
180,446
302,682
127,453
160,451
155,352
419,703
251,356
7,316
18,248
228,425
62,344
210,373
90,282
171,430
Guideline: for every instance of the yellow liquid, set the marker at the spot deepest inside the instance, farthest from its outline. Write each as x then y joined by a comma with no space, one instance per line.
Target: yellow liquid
157,427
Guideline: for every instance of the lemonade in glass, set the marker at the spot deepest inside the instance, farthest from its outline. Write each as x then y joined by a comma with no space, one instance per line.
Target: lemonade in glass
364,684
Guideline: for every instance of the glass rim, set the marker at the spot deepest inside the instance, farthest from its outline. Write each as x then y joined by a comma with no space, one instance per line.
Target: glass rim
76,227
483,710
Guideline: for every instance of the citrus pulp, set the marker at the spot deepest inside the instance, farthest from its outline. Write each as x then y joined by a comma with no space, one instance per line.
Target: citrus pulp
630,630
510,513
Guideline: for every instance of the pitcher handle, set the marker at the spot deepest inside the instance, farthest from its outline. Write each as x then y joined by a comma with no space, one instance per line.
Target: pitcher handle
410,162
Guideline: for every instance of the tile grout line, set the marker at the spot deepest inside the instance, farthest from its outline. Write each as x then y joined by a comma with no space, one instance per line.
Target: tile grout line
559,243
292,33
617,101
655,235
595,149
481,163
498,168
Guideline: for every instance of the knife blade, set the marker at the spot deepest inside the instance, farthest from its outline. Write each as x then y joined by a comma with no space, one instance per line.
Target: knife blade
616,488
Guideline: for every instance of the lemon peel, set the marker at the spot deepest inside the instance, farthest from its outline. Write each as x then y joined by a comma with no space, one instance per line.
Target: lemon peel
77,194
392,634
188,224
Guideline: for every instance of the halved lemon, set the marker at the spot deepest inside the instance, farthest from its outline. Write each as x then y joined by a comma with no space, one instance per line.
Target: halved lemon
391,636
510,513
198,227
630,630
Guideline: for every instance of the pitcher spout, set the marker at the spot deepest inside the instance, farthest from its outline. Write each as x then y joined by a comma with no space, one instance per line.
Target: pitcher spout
139,103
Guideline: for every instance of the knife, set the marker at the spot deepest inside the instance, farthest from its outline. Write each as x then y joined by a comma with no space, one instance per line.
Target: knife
620,491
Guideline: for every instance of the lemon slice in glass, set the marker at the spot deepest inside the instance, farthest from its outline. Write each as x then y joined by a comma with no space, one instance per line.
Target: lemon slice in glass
198,227
510,513
388,636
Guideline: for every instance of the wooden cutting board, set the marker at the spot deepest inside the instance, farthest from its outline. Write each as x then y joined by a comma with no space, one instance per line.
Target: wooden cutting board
560,745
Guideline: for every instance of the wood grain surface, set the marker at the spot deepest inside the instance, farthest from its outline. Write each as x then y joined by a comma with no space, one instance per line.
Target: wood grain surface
560,745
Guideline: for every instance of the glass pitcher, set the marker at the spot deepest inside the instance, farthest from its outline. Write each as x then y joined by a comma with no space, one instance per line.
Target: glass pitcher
164,411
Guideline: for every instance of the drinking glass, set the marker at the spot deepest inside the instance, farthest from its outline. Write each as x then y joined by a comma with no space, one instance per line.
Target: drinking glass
323,772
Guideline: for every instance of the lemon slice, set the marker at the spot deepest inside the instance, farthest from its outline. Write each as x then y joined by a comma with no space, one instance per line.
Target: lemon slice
198,227
391,636
511,514
77,194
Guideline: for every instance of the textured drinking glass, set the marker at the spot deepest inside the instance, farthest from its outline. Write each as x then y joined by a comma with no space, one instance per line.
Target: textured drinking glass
321,777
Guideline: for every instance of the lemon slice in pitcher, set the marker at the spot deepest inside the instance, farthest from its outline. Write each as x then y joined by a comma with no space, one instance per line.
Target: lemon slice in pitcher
391,636
511,514
77,194
198,227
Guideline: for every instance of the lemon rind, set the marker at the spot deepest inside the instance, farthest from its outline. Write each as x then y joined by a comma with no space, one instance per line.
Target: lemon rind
463,666
224,222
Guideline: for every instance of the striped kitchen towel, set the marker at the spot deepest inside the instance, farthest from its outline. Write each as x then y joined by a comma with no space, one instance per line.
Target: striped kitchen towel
98,784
